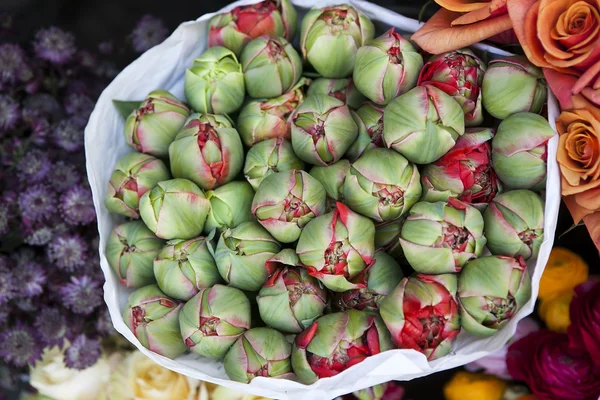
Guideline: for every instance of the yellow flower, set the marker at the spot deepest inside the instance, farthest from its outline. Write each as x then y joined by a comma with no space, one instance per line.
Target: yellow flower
564,271
473,386
555,312
210,391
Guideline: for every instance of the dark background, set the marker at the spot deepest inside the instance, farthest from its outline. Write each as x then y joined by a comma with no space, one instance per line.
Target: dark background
95,21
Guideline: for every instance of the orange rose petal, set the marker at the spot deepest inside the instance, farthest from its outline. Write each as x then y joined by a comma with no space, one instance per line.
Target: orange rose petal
494,9
585,79
549,13
561,85
589,199
439,36
576,211
592,222
461,5
523,14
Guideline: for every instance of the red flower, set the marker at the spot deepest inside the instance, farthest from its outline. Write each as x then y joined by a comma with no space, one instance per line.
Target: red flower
584,331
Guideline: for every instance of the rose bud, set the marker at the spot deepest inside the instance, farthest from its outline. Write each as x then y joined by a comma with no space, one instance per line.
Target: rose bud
332,178
134,175
342,89
387,238
322,130
286,201
382,185
336,247
130,250
291,300
214,319
491,290
369,118
465,172
215,82
422,314
520,151
386,67
459,73
153,318
330,38
442,237
514,224
271,67
241,254
183,267
152,127
230,205
523,87
423,124
336,342
236,28
268,157
378,281
259,352
267,119
208,151
175,209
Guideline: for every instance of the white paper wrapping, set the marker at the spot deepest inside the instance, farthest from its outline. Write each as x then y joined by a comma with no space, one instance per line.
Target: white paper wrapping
163,67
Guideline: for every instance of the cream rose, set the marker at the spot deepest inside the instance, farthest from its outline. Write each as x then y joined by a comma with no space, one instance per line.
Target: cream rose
139,378
52,378
210,391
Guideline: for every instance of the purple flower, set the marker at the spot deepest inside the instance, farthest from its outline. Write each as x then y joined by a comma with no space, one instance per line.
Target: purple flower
54,45
86,59
28,304
51,326
39,234
40,130
30,279
82,295
148,32
22,256
77,207
8,289
103,323
83,353
37,203
13,64
33,166
9,113
6,218
68,252
4,313
79,106
19,345
42,105
63,176
68,135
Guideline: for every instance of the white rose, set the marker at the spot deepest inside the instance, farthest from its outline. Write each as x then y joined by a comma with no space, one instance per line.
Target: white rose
210,391
52,378
139,378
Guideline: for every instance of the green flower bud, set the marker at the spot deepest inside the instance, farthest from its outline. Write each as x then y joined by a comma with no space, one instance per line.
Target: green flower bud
369,118
332,178
230,205
268,157
342,89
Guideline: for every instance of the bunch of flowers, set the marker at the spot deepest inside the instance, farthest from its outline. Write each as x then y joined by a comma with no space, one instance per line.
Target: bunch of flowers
50,277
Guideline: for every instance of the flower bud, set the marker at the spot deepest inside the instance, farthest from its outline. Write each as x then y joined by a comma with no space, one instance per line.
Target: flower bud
386,67
387,238
152,127
330,38
520,151
423,124
214,319
523,87
259,352
175,209
342,89
230,205
422,314
130,250
183,267
442,237
215,82
369,118
336,247
271,67
322,130
241,255
491,290
266,119
208,151
382,185
332,178
286,201
236,28
154,320
268,157
134,175
514,224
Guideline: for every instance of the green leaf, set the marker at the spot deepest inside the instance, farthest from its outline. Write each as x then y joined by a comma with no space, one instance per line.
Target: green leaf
126,107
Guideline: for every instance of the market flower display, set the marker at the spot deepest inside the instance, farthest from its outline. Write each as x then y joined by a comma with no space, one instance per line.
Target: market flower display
369,118
269,157
337,341
422,314
230,205
342,89
152,127
439,238
236,28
